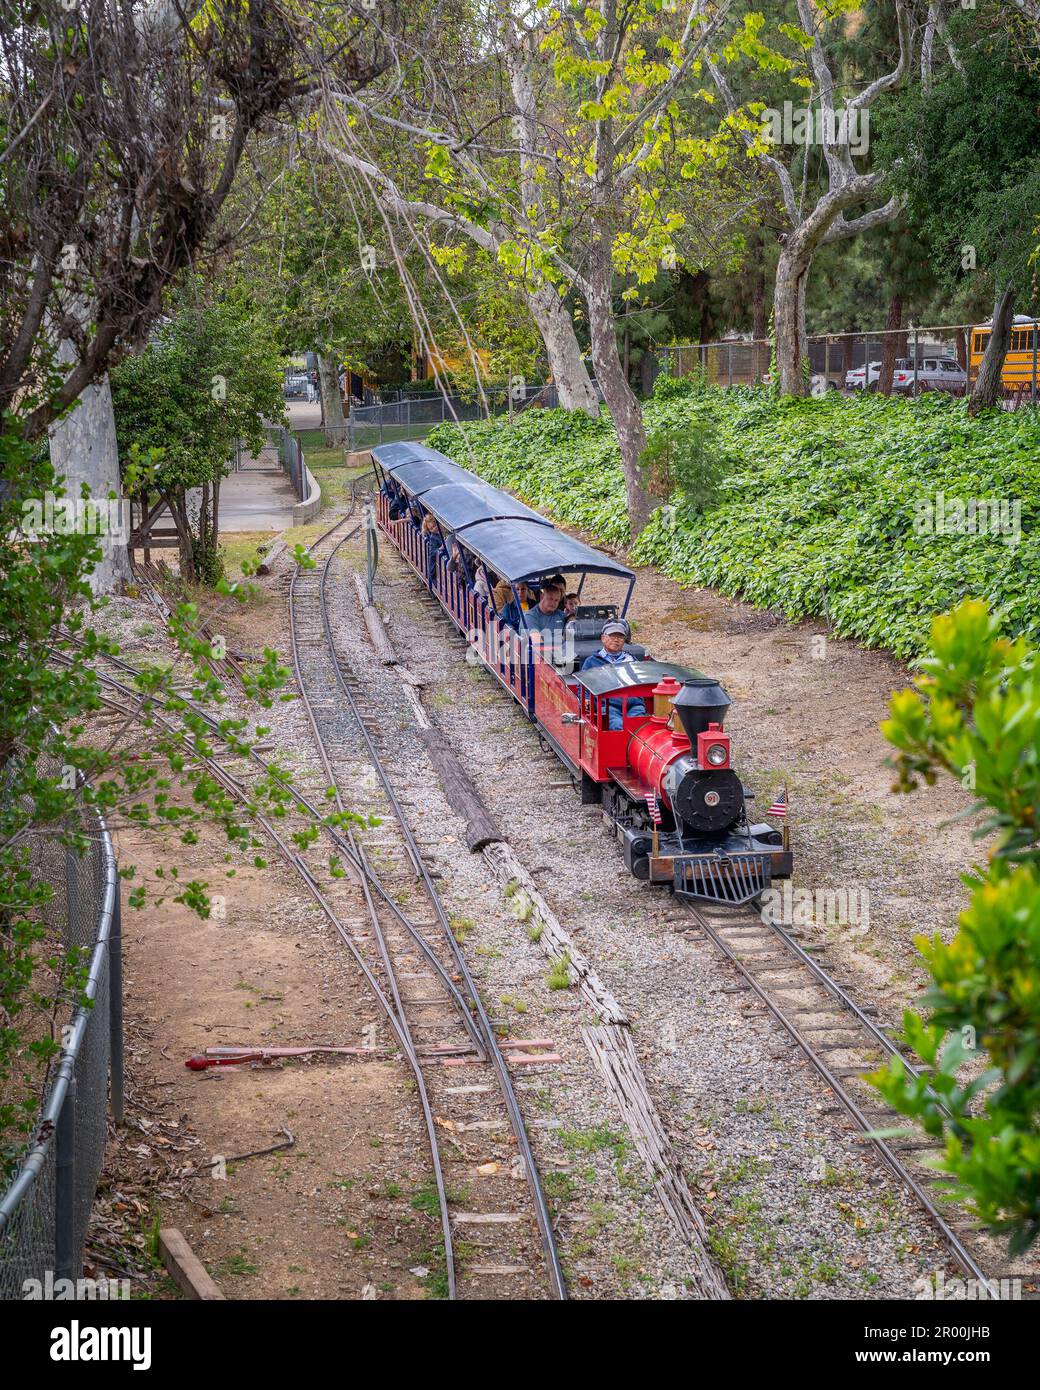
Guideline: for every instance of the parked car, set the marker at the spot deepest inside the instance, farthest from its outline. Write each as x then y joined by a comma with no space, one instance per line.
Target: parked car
933,374
859,377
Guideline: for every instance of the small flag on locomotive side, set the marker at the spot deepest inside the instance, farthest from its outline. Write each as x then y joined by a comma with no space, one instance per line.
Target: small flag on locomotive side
779,806
653,808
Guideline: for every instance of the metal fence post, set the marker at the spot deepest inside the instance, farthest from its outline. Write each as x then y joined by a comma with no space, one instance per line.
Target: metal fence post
115,1008
71,894
65,1255
914,327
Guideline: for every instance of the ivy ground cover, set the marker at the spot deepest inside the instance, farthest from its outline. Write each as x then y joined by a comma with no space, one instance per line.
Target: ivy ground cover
874,512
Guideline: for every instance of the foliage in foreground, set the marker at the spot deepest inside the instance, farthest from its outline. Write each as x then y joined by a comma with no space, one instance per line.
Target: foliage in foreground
146,769
824,507
976,715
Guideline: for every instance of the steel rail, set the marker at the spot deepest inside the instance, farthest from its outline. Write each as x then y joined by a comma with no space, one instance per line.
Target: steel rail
404,1026
368,880
543,1217
899,1169
392,1009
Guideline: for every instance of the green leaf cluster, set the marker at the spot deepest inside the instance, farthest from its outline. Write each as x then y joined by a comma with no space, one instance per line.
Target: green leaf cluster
975,714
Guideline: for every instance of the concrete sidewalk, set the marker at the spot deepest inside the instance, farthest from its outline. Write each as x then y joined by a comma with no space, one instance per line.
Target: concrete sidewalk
258,496
303,415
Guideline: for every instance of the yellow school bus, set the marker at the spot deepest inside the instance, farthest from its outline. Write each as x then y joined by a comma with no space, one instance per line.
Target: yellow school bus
1019,363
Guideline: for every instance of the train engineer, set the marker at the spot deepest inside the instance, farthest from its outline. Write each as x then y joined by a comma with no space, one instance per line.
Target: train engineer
614,634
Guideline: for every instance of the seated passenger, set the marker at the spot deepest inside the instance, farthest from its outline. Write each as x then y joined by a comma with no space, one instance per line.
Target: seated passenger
481,584
547,616
396,499
570,605
614,634
434,546
511,613
455,561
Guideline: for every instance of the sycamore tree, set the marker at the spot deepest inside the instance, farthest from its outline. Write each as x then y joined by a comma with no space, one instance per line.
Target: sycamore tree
122,131
567,176
840,128
123,128
962,151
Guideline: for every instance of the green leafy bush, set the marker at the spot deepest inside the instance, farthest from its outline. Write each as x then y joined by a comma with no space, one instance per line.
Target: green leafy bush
817,501
976,715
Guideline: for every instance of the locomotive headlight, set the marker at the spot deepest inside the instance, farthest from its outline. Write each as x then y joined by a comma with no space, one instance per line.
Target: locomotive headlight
716,754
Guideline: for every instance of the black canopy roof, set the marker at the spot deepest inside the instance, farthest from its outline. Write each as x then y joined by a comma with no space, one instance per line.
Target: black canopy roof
418,476
514,540
600,680
459,505
528,550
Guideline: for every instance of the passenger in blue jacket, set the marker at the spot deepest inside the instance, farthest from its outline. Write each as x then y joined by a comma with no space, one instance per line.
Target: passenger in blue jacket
614,634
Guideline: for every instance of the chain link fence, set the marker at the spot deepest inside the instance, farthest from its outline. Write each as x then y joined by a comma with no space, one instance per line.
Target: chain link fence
45,1211
413,417
909,361
290,456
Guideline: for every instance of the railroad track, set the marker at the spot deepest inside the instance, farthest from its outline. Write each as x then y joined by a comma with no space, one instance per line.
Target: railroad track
842,1042
462,1073
837,1036
446,1081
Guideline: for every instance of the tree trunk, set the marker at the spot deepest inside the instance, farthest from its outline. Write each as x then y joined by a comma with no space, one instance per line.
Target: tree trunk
962,349
177,507
618,394
890,346
792,344
331,401
986,390
573,387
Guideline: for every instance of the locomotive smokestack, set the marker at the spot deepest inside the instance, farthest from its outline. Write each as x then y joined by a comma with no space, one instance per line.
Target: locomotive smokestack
701,702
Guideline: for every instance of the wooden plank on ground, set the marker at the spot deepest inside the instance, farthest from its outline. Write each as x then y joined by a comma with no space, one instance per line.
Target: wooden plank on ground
614,1053
186,1269
374,623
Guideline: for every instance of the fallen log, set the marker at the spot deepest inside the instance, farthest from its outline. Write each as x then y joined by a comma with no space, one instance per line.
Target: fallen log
462,795
551,936
272,557
374,623
614,1053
